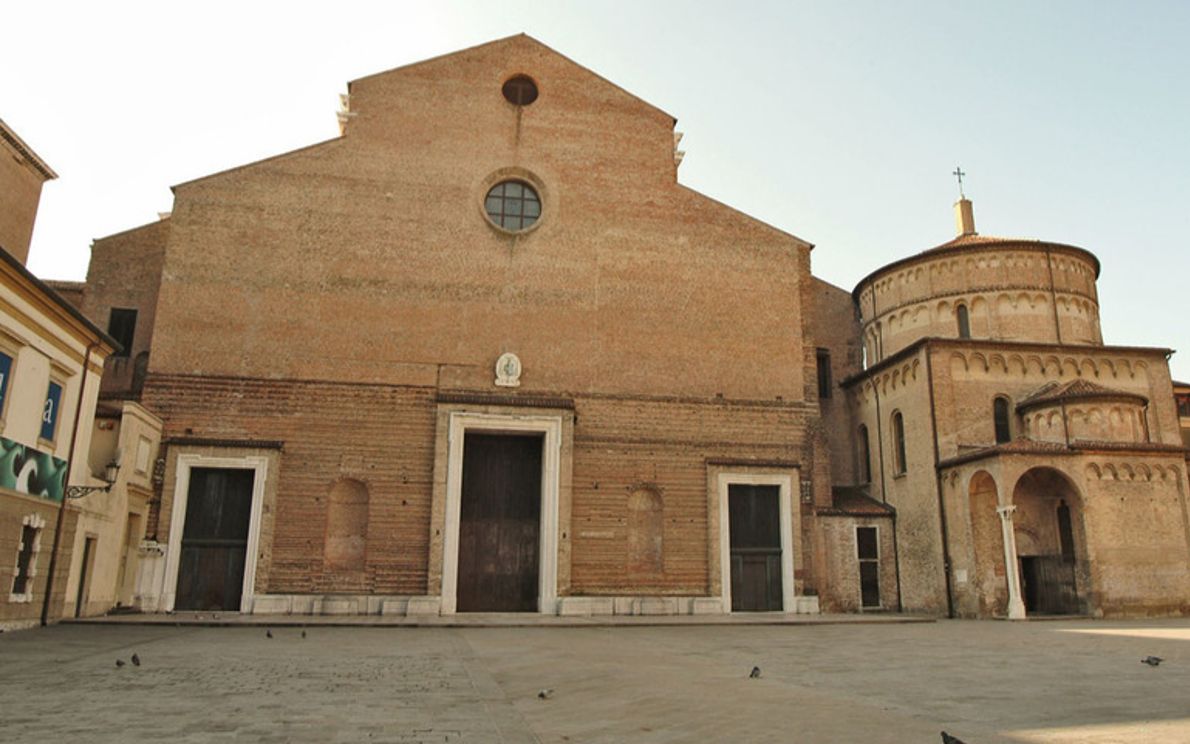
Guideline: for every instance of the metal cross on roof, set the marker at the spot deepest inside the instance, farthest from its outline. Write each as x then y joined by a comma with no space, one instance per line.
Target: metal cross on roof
958,173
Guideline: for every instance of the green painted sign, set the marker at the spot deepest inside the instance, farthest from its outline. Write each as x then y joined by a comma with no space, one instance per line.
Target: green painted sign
28,470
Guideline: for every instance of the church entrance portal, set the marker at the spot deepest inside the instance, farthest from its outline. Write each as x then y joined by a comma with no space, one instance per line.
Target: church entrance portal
499,523
215,539
1047,524
755,536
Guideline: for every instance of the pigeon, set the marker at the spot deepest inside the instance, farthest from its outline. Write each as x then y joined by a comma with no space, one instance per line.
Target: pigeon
135,660
303,633
268,634
755,673
119,663
545,694
1152,660
948,739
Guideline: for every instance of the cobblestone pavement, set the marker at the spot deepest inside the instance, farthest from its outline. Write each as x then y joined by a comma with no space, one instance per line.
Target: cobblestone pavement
1030,683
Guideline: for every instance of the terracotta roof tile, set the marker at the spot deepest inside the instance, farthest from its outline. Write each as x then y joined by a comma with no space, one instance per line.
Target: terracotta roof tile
977,239
1035,447
1053,392
855,501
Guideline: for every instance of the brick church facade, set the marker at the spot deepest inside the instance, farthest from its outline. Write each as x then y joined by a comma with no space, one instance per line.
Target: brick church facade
484,352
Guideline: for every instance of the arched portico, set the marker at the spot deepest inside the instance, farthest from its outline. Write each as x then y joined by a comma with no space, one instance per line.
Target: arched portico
1048,539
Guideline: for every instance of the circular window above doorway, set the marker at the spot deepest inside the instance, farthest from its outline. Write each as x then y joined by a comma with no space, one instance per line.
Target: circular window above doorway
512,205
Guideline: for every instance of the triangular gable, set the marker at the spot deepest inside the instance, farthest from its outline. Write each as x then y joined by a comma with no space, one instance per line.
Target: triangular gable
507,41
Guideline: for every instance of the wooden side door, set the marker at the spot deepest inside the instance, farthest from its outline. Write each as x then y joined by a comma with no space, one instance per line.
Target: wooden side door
499,525
1048,585
215,539
754,526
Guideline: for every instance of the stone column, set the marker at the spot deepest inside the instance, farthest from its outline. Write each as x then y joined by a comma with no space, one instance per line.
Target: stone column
1016,607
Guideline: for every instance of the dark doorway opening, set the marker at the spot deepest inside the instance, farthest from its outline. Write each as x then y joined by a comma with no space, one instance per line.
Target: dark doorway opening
754,524
80,600
499,523
1048,585
215,539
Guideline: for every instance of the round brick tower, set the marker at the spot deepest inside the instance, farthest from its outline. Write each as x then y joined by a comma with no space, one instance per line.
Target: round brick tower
981,287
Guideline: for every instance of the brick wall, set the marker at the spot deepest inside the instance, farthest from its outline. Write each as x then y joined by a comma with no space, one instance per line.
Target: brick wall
842,592
21,186
125,272
13,510
323,297
383,436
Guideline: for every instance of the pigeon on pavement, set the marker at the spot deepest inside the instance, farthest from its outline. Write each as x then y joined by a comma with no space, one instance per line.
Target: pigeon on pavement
268,634
545,694
119,663
948,739
755,673
1152,660
135,660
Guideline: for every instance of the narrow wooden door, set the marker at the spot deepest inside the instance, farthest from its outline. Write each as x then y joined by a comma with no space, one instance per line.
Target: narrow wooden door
755,533
215,539
499,523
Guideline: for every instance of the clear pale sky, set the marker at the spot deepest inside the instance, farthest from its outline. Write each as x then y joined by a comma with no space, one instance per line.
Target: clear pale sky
837,121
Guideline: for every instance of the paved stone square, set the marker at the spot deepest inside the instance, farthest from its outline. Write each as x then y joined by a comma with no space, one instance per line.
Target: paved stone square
1035,682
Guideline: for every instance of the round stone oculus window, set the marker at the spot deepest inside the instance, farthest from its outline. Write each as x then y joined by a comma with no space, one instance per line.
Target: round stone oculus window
520,90
512,205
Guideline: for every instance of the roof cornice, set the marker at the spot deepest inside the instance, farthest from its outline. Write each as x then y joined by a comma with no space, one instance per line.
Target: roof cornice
26,152
989,244
54,305
988,344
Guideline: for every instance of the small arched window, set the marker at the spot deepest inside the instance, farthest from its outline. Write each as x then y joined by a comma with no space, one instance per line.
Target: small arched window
898,426
1003,424
964,321
865,456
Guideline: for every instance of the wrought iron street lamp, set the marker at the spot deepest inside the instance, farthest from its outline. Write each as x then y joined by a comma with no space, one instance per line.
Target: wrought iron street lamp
109,476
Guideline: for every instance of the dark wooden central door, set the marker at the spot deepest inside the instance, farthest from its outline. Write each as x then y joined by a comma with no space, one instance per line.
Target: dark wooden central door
1048,586
500,519
755,528
215,539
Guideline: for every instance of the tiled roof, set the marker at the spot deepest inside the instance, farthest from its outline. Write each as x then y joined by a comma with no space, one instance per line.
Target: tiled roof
1030,446
963,241
1054,392
1043,448
855,501
976,241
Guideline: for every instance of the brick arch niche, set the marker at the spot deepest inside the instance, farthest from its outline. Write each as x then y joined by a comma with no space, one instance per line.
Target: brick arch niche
646,532
989,579
346,525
